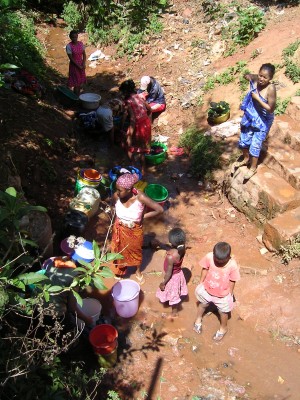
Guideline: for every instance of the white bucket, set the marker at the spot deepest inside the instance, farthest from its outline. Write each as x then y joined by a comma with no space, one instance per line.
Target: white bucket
126,297
92,308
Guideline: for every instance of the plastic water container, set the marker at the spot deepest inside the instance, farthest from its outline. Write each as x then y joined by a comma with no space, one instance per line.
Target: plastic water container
104,339
92,308
126,297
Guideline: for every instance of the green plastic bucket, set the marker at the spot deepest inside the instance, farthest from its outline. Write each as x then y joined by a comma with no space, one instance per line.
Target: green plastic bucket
157,193
155,159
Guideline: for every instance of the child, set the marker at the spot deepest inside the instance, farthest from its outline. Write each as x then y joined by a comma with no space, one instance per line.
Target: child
218,276
174,285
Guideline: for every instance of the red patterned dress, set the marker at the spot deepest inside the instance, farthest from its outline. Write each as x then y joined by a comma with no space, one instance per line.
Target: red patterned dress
77,76
141,138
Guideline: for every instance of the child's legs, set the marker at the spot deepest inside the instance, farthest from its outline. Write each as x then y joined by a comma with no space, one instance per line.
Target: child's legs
223,321
225,306
204,300
201,310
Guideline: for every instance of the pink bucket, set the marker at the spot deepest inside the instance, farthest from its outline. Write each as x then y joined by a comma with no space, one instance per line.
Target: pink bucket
126,297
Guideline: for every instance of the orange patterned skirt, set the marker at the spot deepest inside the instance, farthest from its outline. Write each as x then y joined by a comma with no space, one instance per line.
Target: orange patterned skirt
128,242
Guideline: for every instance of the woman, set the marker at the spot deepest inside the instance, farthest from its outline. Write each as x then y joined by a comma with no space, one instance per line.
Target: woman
153,93
258,106
138,135
127,237
77,56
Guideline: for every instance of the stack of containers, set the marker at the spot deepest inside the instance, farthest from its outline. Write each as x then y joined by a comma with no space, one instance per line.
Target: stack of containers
87,178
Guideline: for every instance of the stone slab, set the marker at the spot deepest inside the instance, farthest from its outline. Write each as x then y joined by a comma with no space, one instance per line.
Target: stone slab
293,109
280,229
264,196
287,131
284,161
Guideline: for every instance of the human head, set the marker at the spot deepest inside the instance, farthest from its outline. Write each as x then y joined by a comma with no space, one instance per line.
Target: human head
221,252
127,88
177,237
125,184
266,73
145,80
73,35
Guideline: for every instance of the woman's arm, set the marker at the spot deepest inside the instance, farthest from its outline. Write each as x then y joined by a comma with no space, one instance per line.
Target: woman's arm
156,208
74,62
149,110
83,58
271,98
251,77
168,273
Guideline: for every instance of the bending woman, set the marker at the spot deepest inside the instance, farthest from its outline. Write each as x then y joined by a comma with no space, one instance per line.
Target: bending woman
258,106
77,56
127,237
138,135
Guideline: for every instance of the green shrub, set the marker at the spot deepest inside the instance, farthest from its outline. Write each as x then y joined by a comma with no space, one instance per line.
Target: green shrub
281,105
290,250
19,44
73,15
292,70
250,22
204,152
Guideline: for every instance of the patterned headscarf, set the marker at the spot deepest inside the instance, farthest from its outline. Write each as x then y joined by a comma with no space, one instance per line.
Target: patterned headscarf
127,181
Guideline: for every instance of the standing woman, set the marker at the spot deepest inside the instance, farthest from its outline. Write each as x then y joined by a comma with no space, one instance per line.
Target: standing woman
127,237
138,135
258,106
77,56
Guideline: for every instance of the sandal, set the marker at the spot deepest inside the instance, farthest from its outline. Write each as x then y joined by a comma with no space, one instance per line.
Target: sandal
239,164
219,336
140,279
198,328
249,174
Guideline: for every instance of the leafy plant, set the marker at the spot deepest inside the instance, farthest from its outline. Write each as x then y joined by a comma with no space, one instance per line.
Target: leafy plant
292,70
73,15
218,109
281,105
204,152
290,251
297,92
250,22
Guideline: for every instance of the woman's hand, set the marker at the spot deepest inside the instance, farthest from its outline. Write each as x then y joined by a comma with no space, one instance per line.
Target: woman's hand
162,286
255,96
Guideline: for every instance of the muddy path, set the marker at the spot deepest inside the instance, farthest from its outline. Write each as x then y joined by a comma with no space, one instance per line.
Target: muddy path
259,358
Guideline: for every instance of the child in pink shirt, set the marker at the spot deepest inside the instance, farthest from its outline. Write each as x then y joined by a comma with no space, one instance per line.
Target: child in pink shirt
218,276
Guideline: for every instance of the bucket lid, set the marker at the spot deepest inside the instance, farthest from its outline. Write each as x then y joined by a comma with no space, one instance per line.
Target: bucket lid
84,252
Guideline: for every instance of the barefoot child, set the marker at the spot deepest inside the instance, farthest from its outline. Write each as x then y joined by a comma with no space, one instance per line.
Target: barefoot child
218,277
174,285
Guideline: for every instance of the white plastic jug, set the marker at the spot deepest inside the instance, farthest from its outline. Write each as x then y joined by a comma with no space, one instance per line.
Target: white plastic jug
92,308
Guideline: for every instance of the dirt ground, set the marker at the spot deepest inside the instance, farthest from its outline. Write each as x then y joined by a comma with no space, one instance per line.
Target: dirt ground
160,357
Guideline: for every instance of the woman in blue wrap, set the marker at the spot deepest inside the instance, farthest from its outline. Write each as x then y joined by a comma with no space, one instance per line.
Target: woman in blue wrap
258,106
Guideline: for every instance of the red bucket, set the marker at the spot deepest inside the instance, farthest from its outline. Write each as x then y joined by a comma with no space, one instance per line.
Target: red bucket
104,339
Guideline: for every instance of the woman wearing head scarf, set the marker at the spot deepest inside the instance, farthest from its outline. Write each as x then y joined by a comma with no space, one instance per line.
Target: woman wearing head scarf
132,206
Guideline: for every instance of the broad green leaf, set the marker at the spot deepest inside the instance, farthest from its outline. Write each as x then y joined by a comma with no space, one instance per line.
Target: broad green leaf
8,66
85,264
32,277
46,296
98,282
111,257
77,297
11,191
18,284
30,242
106,272
55,289
96,249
